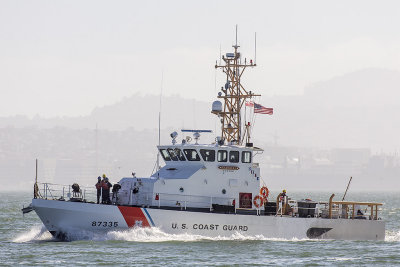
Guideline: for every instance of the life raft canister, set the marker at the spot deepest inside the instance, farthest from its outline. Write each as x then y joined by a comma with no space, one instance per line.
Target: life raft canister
264,192
258,201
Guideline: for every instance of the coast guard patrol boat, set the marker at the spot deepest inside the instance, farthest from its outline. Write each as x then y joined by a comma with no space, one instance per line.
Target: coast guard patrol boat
208,189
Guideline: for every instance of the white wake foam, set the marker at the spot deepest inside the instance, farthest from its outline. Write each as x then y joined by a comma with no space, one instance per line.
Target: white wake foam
36,233
156,235
392,236
153,234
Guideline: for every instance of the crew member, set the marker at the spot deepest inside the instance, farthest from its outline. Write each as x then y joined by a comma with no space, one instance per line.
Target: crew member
283,195
282,203
360,214
99,189
106,190
115,189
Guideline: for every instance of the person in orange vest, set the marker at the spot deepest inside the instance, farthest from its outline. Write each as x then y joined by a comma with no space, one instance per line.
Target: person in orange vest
98,187
106,186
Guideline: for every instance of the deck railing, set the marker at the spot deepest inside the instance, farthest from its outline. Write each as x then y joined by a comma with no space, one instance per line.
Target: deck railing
331,209
88,194
354,209
62,192
185,201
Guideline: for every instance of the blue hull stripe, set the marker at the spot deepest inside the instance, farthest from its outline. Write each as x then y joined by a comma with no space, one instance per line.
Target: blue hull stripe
148,215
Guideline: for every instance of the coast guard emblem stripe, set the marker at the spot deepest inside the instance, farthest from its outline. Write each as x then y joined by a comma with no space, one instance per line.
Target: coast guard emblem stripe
134,216
149,217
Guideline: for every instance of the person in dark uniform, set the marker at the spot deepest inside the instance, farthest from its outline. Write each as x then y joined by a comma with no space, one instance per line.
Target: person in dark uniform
115,189
106,191
282,203
283,193
98,187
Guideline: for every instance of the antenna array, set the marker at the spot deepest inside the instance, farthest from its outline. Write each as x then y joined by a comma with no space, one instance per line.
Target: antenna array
233,94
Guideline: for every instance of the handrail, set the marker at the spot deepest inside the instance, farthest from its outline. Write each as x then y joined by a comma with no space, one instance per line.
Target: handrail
345,204
331,209
60,192
206,201
357,203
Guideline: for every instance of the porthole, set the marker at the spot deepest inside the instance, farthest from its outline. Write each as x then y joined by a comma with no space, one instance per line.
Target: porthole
223,191
181,189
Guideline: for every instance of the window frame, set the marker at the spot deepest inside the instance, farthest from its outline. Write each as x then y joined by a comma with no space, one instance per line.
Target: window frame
243,156
190,158
212,155
164,156
222,152
180,154
175,157
234,152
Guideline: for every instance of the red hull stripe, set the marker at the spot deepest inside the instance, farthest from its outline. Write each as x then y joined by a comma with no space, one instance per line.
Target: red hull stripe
134,216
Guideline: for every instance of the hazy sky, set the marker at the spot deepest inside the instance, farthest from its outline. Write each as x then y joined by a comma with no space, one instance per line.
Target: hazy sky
66,57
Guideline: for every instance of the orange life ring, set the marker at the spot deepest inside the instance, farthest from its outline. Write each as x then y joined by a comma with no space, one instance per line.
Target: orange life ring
264,192
258,201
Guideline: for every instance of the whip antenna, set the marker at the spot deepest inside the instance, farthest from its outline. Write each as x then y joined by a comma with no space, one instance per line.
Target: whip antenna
255,48
159,122
347,188
220,54
236,35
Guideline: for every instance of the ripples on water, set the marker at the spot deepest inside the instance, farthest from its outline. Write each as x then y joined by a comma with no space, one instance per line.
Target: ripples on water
25,241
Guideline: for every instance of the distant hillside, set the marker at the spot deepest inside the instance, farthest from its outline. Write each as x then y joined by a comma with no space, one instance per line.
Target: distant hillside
363,88
138,111
358,109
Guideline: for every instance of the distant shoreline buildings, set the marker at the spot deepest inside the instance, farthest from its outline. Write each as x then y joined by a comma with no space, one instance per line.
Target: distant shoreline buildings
67,156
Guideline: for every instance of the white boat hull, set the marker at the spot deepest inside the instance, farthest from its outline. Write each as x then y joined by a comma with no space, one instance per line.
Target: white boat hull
63,218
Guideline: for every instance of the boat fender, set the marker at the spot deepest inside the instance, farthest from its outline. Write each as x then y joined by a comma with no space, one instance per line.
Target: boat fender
264,192
258,201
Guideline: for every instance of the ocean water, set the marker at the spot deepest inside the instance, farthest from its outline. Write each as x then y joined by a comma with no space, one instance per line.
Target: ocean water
25,242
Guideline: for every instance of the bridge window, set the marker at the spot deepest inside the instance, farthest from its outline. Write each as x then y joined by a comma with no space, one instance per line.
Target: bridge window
208,154
179,154
222,156
234,156
173,154
246,157
191,155
165,155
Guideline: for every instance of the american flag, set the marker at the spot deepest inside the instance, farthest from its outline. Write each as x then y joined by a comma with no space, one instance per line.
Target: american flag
263,110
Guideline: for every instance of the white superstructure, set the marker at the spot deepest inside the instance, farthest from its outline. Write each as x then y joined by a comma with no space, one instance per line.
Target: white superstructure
193,174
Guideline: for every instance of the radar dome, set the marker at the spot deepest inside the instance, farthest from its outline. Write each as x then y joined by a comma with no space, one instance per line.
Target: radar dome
216,106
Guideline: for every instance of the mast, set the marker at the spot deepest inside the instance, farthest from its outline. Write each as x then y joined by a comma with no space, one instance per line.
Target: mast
234,95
